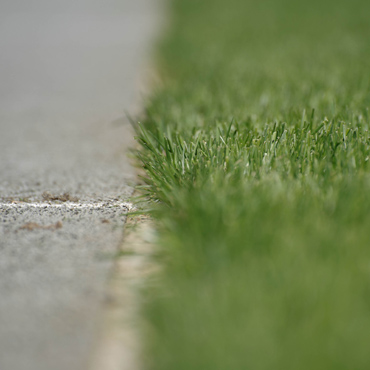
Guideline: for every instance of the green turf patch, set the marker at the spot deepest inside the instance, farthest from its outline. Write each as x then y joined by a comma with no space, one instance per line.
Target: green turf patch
257,149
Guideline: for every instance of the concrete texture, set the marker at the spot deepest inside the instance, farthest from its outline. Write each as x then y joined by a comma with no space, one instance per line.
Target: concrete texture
120,342
68,71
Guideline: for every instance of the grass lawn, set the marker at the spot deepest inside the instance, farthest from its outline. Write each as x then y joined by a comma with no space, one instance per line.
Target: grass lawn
256,148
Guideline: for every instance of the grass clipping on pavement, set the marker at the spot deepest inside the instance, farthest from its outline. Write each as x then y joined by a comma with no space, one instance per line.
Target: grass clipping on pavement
256,148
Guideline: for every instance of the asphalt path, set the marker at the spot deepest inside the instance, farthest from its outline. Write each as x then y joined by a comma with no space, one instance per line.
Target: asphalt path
69,70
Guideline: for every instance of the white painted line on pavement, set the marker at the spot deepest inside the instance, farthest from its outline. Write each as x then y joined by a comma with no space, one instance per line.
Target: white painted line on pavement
70,205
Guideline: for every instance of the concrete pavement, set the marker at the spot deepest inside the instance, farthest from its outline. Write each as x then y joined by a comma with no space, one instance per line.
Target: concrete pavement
68,71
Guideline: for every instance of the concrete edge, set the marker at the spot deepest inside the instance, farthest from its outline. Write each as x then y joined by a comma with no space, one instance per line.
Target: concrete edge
118,347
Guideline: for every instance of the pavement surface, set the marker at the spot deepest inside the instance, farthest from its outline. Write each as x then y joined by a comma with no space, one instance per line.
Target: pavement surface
69,70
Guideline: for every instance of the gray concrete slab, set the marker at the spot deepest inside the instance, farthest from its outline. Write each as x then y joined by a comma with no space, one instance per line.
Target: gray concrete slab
68,70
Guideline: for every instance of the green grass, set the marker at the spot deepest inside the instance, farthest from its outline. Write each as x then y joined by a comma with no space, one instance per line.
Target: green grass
256,148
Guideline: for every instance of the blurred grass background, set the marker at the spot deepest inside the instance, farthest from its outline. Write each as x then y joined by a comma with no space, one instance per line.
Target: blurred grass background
256,147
